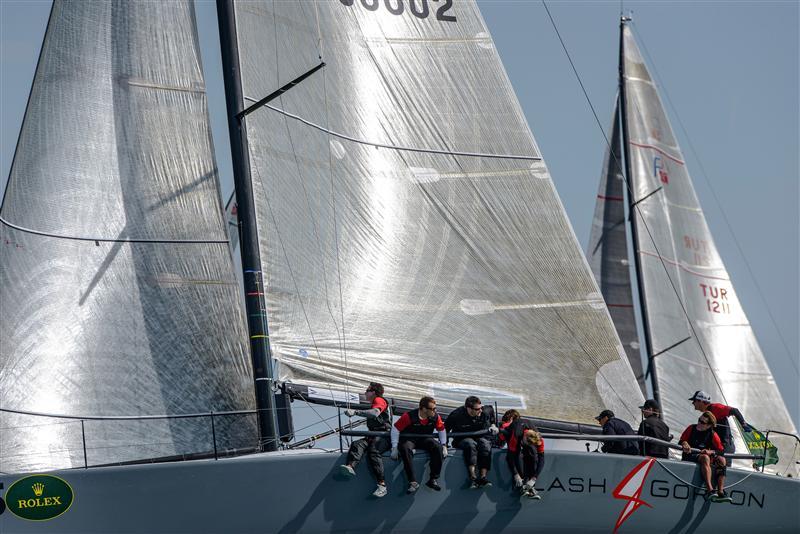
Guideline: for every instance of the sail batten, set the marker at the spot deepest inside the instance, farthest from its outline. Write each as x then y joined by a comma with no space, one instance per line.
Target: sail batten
441,270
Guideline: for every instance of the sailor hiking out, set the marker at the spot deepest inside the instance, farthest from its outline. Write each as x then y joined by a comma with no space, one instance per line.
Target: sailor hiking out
378,419
616,427
654,427
477,449
702,436
423,421
525,456
702,403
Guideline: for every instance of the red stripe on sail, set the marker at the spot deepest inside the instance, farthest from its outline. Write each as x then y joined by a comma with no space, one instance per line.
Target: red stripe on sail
673,158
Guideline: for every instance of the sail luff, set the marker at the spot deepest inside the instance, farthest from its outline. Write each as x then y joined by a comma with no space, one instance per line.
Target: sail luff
252,277
633,199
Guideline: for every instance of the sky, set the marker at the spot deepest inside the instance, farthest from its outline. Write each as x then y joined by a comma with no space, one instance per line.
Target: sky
729,70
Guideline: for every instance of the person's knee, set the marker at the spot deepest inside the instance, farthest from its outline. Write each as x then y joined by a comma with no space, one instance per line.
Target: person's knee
703,459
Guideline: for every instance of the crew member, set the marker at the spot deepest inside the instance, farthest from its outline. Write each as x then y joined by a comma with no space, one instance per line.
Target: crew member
378,420
654,427
525,456
616,427
423,421
702,403
477,449
702,436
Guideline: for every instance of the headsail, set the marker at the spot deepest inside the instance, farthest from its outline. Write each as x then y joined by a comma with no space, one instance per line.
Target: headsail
116,145
697,300
608,251
386,256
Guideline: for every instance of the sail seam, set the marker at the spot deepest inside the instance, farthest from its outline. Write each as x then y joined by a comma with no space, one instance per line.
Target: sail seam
681,266
398,147
107,239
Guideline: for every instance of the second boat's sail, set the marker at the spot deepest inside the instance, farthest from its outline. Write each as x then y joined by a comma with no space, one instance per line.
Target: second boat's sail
391,250
688,292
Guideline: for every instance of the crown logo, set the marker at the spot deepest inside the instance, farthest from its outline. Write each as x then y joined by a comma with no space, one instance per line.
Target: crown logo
38,489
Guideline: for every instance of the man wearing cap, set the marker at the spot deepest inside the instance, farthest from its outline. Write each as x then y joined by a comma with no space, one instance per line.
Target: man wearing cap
702,403
653,426
616,427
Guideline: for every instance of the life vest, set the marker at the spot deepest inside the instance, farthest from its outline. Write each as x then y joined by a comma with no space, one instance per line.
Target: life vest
381,423
417,426
701,439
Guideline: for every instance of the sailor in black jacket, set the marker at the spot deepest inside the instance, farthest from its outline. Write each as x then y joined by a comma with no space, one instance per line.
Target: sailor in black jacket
653,426
478,449
613,426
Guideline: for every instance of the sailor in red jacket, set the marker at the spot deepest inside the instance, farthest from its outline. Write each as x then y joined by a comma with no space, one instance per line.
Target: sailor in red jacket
702,436
423,421
702,403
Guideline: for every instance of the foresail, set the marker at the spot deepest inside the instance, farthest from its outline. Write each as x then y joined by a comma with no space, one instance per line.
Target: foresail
116,146
386,256
721,355
608,251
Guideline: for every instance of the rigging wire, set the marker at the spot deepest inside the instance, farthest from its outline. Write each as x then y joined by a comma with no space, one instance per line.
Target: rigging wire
636,207
707,181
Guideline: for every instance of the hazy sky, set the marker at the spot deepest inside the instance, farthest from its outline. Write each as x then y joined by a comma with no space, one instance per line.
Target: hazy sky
729,68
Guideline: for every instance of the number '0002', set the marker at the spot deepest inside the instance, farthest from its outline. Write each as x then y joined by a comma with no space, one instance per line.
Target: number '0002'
419,8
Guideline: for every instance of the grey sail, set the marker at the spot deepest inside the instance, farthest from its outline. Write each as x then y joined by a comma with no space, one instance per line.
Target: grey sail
608,252
722,357
116,145
388,253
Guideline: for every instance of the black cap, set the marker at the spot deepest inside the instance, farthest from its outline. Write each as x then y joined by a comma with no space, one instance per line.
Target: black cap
650,404
605,413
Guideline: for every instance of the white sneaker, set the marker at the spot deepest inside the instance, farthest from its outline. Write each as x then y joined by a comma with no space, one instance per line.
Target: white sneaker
380,491
412,487
347,471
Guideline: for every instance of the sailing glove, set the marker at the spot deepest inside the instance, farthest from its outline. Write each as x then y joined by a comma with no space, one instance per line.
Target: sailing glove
493,430
349,412
747,428
395,454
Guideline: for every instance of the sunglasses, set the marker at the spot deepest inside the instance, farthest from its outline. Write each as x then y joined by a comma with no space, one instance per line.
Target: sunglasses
704,422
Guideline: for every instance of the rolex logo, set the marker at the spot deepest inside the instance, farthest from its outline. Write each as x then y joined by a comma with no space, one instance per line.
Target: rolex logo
38,489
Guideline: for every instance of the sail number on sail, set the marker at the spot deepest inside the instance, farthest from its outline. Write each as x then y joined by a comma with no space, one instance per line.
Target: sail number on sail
716,298
419,8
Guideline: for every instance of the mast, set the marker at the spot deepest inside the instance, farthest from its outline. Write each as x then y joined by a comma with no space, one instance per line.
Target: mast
248,231
651,367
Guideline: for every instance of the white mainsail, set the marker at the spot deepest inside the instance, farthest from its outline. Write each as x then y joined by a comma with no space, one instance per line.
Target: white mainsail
116,145
428,271
687,289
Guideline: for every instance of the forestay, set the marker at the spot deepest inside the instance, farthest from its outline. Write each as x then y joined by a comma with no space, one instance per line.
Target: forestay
116,145
722,357
608,251
429,272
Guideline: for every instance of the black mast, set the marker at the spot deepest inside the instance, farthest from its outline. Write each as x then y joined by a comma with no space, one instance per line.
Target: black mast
248,232
651,367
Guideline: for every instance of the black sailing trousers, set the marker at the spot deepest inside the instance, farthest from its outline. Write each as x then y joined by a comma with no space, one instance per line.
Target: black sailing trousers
527,462
476,452
374,447
406,450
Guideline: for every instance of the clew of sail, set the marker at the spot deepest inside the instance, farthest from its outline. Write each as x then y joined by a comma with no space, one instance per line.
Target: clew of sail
388,257
116,145
608,251
698,300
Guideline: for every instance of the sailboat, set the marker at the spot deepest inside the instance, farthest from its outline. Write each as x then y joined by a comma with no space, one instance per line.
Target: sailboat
397,223
696,334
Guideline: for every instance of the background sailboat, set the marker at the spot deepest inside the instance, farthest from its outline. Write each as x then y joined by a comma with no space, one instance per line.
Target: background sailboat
695,330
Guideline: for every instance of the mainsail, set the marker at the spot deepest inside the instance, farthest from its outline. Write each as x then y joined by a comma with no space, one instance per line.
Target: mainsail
608,252
390,249
687,289
116,147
